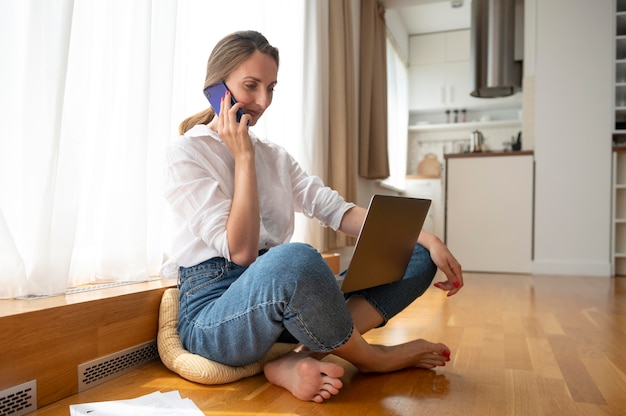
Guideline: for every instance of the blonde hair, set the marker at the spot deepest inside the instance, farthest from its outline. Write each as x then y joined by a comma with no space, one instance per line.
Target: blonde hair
227,55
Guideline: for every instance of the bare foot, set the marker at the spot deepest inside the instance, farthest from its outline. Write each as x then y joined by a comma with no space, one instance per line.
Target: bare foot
305,377
417,353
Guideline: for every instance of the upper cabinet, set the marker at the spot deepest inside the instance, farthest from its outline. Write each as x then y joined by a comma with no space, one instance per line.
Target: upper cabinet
439,48
439,73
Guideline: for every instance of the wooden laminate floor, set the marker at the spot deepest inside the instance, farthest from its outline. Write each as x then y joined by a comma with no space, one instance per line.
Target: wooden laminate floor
521,345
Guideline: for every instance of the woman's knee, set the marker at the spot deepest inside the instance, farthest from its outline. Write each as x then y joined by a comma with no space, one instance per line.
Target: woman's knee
299,262
297,256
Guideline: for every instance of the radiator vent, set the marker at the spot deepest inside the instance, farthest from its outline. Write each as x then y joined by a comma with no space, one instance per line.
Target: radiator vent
19,400
103,369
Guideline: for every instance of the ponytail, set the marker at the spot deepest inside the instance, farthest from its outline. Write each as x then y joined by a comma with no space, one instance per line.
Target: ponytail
202,117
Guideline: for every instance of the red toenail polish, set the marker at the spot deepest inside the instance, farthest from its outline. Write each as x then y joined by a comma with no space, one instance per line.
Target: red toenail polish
446,353
456,284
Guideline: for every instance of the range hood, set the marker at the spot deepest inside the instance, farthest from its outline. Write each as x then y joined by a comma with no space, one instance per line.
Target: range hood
496,47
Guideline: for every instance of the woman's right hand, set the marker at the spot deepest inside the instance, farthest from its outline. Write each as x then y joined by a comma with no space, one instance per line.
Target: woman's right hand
233,133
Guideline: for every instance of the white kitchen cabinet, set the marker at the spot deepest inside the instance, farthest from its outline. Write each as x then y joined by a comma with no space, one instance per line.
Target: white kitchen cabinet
427,49
428,87
439,74
439,48
441,86
489,211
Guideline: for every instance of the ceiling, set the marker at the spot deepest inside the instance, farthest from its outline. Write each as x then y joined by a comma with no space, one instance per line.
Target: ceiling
426,16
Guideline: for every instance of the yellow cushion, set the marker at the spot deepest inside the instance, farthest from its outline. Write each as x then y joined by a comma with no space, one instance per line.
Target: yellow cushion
194,367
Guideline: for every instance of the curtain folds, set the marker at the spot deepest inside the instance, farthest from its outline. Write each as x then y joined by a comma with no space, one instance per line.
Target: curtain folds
342,112
373,154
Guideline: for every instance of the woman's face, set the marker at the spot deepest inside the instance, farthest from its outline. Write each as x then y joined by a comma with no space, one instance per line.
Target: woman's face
252,84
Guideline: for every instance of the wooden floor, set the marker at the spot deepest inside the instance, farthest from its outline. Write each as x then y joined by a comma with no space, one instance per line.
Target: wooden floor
521,345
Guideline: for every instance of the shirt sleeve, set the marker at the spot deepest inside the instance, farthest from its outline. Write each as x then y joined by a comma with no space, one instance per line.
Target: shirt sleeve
316,200
196,193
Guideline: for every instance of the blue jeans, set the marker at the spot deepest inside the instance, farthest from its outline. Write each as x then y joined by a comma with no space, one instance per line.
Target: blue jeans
233,314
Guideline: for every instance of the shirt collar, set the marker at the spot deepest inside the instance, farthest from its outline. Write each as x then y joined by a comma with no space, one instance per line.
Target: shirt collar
202,130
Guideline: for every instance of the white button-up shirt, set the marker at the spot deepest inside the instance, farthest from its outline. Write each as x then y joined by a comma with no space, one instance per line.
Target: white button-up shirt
199,185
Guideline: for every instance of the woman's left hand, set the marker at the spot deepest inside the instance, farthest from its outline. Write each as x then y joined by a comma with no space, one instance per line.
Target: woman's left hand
445,261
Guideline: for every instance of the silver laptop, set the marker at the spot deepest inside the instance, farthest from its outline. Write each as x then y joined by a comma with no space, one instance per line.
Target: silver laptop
386,241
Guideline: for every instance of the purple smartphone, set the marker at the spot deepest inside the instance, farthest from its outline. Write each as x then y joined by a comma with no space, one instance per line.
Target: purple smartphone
214,94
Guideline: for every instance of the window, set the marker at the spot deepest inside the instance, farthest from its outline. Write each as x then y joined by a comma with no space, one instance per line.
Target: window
96,90
397,118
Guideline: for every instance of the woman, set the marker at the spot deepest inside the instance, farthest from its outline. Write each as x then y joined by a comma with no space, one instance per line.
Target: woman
243,285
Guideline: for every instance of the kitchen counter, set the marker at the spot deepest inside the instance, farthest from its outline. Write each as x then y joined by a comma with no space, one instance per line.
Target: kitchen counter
488,154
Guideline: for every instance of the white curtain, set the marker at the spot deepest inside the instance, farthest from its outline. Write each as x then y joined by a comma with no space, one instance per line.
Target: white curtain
397,116
93,91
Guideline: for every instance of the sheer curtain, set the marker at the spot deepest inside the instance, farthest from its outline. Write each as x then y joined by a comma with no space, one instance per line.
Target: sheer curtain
93,92
398,117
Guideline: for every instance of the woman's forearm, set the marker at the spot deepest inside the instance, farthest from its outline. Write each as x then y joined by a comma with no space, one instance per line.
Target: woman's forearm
243,222
427,239
352,221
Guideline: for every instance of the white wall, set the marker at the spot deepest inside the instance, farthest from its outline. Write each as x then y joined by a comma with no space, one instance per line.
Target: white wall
572,133
399,33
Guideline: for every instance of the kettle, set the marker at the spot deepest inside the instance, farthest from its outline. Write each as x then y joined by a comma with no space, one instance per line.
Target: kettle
477,141
516,144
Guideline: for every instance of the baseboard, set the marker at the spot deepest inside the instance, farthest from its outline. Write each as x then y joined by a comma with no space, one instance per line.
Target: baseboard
571,267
